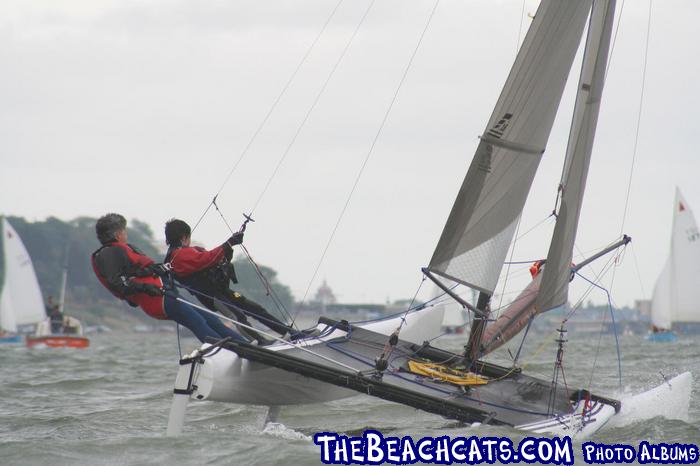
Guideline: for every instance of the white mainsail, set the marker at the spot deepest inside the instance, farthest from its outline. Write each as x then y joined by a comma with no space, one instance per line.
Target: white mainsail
21,302
478,232
661,300
556,276
677,294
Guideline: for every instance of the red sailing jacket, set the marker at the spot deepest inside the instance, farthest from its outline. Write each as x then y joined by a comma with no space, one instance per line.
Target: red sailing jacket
188,260
120,268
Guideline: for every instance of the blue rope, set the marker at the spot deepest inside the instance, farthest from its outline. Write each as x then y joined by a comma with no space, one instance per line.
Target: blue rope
612,316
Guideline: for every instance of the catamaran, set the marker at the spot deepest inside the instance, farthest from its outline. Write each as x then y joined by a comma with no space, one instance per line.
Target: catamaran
392,359
20,297
676,299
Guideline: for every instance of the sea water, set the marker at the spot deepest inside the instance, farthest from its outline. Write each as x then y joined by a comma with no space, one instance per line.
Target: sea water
109,404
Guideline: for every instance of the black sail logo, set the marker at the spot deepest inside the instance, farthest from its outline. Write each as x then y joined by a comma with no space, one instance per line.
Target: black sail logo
500,127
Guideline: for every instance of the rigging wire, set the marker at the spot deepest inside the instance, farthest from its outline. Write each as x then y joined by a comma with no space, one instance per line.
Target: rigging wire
254,137
639,275
639,119
639,123
520,28
617,29
313,106
608,266
617,341
269,291
370,151
310,110
529,230
512,252
598,277
271,110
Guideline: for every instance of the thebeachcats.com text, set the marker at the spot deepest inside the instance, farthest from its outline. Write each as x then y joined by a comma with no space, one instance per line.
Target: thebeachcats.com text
373,448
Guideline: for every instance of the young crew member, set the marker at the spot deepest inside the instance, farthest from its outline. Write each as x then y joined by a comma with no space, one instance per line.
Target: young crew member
207,274
133,277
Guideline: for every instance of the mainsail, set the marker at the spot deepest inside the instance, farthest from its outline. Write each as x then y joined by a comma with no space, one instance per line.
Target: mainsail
20,297
549,288
480,227
676,294
661,300
556,276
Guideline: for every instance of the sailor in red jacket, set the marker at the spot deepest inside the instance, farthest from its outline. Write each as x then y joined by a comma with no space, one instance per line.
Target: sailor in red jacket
207,275
133,277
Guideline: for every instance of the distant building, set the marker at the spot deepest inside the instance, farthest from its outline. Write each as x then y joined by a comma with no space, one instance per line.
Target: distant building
324,296
644,307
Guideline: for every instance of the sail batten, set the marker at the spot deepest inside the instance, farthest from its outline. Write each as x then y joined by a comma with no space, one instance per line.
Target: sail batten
481,225
555,282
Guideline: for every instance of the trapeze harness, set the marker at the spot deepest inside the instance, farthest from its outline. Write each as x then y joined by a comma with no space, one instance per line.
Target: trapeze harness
210,278
133,272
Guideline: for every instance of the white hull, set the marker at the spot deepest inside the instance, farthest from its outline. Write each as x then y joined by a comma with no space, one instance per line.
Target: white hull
670,400
582,423
226,377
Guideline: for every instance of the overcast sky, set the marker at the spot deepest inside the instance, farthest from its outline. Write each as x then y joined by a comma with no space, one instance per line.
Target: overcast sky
143,107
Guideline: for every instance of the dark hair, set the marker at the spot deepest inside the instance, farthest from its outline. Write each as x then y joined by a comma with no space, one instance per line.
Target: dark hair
175,231
108,226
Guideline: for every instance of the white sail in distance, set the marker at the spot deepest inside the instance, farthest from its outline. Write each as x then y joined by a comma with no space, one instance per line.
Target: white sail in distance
677,294
556,276
480,227
21,302
661,299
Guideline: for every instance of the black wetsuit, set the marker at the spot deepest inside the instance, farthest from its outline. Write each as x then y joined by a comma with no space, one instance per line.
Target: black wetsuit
207,274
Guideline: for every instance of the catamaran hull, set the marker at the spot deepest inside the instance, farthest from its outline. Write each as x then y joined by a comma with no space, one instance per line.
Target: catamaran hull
285,374
318,371
662,337
226,377
586,420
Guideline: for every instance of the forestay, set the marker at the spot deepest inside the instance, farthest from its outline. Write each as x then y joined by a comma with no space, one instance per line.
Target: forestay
480,227
555,281
20,297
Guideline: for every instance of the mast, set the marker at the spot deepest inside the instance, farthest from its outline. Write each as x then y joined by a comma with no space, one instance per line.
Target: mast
556,276
473,348
64,280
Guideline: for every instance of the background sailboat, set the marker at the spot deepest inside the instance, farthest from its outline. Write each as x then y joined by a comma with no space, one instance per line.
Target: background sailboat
21,302
455,316
676,301
67,331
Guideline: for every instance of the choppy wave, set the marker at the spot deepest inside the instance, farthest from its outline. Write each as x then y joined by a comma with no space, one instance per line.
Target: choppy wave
109,405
